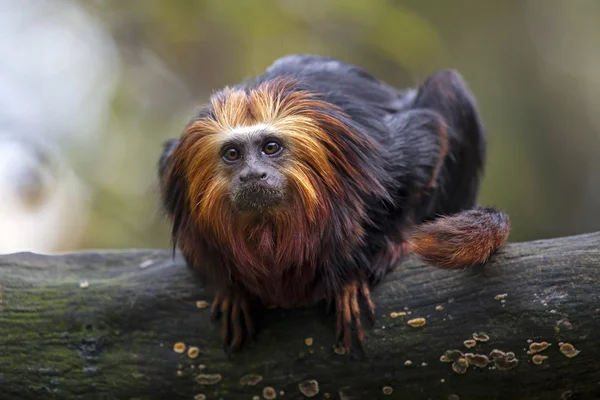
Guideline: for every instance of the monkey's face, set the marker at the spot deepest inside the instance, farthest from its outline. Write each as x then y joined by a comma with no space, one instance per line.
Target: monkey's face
271,149
253,160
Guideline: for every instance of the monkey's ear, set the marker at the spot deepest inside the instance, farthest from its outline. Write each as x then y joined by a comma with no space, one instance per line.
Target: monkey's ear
171,179
419,147
163,162
446,93
443,88
173,184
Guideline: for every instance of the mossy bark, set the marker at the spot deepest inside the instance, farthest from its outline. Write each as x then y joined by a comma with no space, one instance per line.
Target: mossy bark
114,338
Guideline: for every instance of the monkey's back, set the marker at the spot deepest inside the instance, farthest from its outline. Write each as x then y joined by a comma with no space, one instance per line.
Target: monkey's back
376,107
368,101
383,114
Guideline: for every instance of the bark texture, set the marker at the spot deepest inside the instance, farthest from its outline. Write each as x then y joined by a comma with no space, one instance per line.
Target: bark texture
114,336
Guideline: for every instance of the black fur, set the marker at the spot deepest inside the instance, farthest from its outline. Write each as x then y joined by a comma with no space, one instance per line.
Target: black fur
407,124
413,128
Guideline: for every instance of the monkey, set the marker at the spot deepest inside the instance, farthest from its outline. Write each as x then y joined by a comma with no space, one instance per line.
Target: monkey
311,181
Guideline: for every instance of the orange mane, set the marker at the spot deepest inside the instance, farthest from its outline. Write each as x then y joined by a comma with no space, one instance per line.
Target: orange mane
324,173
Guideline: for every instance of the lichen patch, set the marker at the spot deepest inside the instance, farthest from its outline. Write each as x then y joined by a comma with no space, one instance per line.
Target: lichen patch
193,352
564,323
569,350
506,361
395,314
477,360
269,393
309,388
416,322
452,355
538,359
494,354
208,379
179,347
250,380
339,349
481,336
537,347
202,304
460,366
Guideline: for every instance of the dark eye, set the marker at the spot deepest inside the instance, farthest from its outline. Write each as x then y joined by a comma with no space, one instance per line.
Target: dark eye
271,148
231,154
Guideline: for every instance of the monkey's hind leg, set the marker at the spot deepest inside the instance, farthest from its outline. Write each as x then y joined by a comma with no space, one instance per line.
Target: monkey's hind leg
348,311
234,308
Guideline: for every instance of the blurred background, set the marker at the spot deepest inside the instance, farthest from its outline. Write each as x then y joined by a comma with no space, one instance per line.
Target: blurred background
90,89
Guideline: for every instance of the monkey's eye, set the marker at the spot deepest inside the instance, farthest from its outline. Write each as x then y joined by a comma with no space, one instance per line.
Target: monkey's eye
271,148
231,154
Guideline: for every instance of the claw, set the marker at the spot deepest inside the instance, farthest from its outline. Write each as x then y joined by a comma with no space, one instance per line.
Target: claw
238,331
215,309
247,313
366,294
348,311
235,311
225,320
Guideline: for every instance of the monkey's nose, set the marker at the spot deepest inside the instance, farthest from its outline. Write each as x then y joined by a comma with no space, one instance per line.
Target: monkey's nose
252,175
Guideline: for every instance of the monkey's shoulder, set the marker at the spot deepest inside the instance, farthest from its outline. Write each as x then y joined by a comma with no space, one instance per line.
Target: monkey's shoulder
340,83
309,64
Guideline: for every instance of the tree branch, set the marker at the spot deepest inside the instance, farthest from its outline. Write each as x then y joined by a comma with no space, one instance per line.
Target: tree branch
114,339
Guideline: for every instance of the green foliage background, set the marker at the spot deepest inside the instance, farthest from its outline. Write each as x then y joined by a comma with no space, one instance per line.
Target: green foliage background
529,63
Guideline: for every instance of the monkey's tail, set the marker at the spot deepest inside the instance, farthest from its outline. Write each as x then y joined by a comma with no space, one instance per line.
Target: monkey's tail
460,240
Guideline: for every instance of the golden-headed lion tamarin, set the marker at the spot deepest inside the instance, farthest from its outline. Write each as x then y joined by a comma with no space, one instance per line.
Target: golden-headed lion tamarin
311,182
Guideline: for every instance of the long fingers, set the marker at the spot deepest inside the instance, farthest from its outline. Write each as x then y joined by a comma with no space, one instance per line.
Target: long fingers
246,310
225,308
235,311
348,313
215,308
366,294
347,320
236,322
355,309
338,317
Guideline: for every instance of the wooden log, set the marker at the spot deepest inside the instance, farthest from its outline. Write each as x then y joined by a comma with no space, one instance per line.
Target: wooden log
104,324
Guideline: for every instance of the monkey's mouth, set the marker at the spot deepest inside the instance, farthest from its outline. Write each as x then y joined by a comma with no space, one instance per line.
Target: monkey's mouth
257,198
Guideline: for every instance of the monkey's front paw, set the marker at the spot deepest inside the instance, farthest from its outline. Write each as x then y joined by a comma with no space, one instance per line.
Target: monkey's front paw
235,310
348,310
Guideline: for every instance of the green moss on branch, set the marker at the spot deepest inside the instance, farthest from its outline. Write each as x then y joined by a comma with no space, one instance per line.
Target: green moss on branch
114,338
